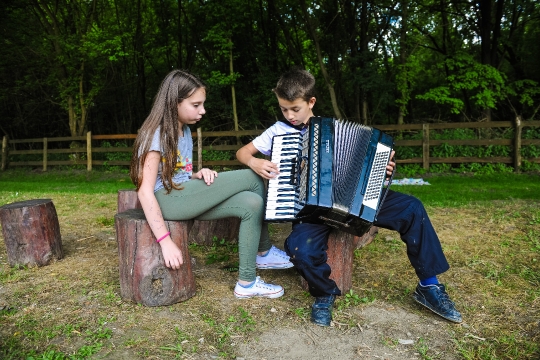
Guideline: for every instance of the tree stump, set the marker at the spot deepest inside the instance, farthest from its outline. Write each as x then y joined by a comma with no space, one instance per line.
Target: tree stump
367,238
202,232
144,278
127,200
341,246
31,232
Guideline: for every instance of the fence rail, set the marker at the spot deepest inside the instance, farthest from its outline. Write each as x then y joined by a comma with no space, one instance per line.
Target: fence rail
88,149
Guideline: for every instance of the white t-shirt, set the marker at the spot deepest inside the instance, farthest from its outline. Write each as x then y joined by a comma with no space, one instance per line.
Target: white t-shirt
184,161
263,142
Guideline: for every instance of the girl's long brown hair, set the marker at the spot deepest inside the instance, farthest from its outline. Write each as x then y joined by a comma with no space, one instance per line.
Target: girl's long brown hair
177,86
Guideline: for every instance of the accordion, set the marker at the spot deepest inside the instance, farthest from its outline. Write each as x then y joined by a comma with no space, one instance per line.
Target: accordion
332,174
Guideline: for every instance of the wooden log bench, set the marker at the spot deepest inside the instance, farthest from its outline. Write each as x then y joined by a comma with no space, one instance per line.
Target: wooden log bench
31,232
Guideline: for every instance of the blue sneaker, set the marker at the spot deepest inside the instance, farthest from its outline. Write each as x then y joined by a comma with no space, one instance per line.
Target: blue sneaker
435,298
321,311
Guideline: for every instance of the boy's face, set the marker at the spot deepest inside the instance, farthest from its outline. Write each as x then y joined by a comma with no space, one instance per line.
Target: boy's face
297,112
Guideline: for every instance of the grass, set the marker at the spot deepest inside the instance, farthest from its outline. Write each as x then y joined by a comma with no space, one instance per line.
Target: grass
65,182
460,190
72,309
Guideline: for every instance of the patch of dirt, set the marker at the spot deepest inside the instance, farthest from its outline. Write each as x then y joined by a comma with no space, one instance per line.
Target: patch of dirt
383,331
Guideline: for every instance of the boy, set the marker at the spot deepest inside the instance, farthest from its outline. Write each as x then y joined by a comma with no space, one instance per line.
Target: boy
308,242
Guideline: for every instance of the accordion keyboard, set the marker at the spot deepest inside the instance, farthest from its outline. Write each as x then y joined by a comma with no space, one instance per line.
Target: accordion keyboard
282,195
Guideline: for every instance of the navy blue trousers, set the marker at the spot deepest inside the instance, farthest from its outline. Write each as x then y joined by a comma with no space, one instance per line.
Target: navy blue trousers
307,243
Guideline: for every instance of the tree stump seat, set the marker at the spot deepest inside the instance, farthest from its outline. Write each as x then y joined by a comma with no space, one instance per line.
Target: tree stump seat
341,247
31,232
144,278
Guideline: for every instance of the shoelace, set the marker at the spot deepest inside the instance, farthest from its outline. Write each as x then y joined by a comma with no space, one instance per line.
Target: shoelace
445,298
280,253
261,284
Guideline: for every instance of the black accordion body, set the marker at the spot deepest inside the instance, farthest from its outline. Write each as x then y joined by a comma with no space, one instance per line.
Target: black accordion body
332,174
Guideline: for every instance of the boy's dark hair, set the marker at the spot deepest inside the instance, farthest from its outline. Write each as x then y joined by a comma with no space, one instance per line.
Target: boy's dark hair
294,84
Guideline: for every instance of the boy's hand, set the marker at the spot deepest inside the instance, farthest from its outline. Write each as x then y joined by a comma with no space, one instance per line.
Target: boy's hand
171,254
263,168
391,164
207,175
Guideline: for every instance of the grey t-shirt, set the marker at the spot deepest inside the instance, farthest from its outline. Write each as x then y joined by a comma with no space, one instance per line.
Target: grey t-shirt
184,161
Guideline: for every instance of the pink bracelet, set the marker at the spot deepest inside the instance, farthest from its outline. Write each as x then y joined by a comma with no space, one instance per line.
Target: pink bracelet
164,236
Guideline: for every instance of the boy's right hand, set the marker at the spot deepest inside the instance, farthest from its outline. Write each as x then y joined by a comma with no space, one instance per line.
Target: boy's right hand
264,168
171,254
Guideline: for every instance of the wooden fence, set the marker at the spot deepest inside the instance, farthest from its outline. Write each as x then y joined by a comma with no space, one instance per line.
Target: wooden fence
202,137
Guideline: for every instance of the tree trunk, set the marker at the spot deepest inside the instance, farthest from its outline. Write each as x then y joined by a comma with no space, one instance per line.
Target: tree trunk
31,232
324,72
233,95
144,278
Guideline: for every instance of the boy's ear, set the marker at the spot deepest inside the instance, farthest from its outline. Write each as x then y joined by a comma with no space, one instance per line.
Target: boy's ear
311,102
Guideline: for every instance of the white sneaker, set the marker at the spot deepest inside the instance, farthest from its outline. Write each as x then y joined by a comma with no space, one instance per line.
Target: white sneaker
259,288
274,259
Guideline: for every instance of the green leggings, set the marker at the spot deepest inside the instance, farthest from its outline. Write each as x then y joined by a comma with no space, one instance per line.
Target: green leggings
239,194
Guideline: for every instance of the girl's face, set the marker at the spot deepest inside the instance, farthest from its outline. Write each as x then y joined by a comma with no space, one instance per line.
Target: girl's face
191,110
297,112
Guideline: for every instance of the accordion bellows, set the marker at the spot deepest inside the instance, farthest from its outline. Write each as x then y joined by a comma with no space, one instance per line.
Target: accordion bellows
333,174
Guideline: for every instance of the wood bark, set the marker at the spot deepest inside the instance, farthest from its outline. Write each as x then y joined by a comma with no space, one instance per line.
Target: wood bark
367,238
144,278
31,232
127,200
202,232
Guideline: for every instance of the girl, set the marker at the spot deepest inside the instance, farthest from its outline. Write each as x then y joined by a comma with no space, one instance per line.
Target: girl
161,169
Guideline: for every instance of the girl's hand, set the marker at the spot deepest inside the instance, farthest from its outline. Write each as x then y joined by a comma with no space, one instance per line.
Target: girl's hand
171,253
263,168
207,175
391,164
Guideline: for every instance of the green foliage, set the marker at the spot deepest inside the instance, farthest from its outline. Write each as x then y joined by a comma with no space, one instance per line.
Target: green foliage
352,299
484,83
217,155
483,151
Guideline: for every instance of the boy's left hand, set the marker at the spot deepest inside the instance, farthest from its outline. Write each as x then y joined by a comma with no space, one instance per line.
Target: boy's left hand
207,175
391,164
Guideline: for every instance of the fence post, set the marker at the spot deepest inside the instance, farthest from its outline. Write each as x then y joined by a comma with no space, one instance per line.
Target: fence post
89,151
425,146
45,146
517,144
199,149
5,151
